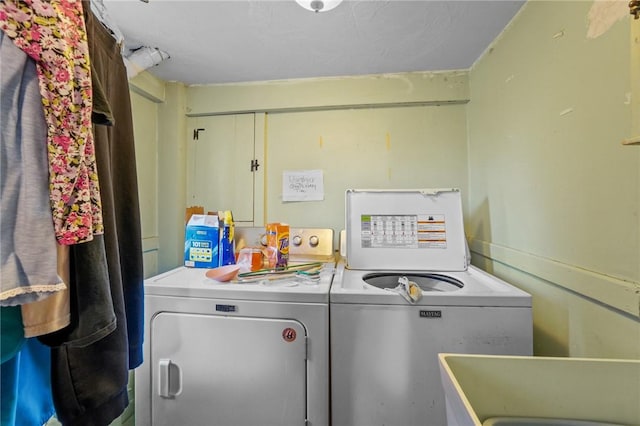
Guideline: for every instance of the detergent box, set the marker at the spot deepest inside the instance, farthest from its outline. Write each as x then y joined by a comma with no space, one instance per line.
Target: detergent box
226,252
277,245
202,241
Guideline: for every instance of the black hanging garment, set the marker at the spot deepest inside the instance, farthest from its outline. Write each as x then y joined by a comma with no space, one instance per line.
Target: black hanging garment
91,358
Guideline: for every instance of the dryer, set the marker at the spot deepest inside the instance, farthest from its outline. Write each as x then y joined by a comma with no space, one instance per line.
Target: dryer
238,353
384,348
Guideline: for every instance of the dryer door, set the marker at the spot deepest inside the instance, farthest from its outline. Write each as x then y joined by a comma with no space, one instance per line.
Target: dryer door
216,370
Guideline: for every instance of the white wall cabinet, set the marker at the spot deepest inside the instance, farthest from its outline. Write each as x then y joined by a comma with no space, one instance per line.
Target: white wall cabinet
221,151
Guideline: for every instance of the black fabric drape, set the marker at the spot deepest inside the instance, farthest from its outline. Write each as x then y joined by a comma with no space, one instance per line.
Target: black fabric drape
89,377
116,159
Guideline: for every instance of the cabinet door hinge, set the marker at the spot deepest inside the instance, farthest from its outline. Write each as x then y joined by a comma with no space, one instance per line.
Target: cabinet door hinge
196,133
254,165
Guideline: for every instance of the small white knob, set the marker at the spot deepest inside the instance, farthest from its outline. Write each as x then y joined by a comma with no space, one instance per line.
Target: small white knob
297,240
314,240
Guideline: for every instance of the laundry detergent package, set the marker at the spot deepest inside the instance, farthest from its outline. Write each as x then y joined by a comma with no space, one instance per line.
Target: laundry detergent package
226,252
202,241
277,245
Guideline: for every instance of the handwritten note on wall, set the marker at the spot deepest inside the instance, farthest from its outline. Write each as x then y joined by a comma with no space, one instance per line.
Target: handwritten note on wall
302,185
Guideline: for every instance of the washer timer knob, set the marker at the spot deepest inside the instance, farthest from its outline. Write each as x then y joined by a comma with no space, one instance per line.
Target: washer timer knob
314,240
296,240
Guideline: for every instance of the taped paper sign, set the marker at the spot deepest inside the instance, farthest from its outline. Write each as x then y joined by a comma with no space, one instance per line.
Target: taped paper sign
302,185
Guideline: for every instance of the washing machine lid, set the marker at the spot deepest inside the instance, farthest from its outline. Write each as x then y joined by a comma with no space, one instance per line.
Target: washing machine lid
410,229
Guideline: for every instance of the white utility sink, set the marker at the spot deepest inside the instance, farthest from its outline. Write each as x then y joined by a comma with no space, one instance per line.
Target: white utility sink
487,390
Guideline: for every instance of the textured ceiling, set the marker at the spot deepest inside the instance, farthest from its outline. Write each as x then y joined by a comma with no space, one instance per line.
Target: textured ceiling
247,40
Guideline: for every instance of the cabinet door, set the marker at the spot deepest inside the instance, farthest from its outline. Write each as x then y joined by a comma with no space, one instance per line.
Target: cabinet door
227,371
219,177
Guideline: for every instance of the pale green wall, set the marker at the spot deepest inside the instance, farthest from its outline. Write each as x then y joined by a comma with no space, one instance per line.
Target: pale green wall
554,197
383,131
172,176
145,114
395,147
158,110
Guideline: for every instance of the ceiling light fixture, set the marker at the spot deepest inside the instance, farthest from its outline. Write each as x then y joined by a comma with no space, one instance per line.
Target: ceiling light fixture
319,5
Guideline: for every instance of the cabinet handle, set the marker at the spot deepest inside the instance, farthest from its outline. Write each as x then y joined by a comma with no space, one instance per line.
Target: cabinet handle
634,5
168,375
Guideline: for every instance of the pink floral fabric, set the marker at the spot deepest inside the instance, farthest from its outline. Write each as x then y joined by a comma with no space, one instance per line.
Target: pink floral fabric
53,33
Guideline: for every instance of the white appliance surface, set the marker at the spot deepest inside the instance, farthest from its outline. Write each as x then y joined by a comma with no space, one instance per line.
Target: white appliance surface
477,288
384,350
405,229
237,353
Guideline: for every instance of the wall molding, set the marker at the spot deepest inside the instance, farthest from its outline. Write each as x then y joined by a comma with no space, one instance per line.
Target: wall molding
150,244
366,91
616,293
149,86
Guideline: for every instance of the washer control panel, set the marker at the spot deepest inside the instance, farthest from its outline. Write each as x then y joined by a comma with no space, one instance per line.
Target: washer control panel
307,243
315,241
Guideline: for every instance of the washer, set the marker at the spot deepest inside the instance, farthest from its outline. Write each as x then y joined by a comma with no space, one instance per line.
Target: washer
241,354
384,366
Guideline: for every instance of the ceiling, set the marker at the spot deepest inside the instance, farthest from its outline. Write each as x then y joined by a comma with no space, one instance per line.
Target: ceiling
219,41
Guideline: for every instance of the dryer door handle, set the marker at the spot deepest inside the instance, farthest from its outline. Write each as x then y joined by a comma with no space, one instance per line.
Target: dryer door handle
169,379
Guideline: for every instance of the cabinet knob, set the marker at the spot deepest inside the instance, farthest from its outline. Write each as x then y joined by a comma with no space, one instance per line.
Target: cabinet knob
634,8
